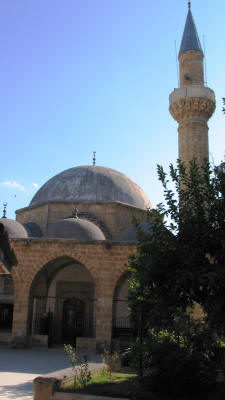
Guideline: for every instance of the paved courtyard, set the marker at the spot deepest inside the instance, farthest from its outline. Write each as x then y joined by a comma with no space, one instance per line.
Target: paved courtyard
18,368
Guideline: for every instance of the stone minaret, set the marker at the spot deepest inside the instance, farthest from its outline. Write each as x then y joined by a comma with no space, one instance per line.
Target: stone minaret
192,104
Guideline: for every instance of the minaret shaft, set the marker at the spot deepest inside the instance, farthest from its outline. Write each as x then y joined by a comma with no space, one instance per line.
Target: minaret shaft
191,68
193,141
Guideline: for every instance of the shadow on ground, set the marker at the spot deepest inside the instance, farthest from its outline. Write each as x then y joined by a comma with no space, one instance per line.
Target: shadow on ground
22,391
37,361
26,365
32,361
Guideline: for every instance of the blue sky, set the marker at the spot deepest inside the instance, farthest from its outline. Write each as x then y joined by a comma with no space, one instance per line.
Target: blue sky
84,75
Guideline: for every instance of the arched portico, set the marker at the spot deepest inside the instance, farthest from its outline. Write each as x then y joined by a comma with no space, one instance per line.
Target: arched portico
62,302
42,265
34,257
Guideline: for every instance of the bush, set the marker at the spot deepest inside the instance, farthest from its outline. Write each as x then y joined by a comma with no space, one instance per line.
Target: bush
82,373
111,361
184,364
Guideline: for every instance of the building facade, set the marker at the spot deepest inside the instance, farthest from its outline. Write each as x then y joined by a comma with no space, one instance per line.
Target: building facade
72,244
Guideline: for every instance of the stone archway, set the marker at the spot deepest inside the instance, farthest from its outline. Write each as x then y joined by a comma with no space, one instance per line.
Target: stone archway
121,325
56,293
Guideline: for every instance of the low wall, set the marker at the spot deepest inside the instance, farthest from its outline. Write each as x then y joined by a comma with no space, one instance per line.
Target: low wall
46,386
87,344
5,337
74,396
25,342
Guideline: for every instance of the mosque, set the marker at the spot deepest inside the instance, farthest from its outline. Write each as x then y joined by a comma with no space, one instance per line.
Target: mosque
73,241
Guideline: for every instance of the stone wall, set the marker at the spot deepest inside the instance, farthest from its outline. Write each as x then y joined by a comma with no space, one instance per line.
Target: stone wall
34,214
5,337
86,344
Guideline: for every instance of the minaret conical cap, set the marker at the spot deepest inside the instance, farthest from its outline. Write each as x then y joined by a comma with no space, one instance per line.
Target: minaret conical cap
190,39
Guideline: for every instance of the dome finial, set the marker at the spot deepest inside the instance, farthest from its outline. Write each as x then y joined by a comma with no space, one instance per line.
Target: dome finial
75,213
189,5
94,158
4,210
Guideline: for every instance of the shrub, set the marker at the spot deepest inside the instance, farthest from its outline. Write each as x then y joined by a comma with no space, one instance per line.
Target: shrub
184,364
82,374
111,360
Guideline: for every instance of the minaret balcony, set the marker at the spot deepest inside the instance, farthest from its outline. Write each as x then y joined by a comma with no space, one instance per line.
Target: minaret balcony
192,103
192,91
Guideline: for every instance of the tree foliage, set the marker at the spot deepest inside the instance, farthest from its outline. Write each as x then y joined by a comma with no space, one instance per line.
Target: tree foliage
182,261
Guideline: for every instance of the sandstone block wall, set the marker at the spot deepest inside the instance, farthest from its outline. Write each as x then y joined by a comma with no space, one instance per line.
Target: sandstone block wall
34,214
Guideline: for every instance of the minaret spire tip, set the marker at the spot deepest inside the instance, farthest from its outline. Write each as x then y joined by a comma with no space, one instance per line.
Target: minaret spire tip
190,39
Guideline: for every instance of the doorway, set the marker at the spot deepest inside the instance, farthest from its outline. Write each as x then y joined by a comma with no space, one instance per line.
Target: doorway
73,320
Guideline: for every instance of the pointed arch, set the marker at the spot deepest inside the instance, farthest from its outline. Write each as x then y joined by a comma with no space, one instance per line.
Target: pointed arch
57,289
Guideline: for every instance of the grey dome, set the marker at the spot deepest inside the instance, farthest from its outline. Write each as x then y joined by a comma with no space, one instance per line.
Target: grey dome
14,228
129,234
92,184
33,229
74,228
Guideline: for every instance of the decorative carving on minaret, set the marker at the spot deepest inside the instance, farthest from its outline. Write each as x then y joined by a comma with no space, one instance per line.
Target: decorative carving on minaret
188,107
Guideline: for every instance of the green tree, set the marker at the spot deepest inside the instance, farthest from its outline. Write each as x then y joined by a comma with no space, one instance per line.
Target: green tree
182,261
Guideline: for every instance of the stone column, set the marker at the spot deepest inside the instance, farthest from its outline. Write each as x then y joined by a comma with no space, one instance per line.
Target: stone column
20,315
104,321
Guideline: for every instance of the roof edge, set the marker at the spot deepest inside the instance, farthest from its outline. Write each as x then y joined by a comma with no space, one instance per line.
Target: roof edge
116,202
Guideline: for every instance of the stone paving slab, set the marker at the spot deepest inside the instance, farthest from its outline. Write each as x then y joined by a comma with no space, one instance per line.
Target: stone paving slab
18,368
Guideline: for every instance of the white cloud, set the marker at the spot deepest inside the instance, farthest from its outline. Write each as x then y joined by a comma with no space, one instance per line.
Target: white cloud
13,184
35,185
